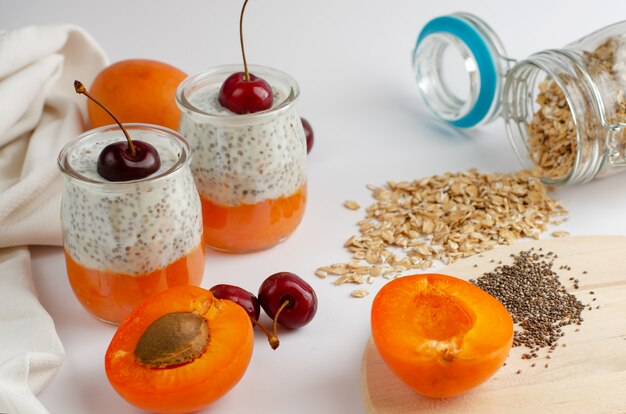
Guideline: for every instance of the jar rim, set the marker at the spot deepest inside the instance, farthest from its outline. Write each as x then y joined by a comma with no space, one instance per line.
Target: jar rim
184,160
219,73
484,62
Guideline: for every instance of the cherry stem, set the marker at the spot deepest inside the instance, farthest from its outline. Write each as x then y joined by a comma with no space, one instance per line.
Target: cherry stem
80,89
243,53
283,306
271,338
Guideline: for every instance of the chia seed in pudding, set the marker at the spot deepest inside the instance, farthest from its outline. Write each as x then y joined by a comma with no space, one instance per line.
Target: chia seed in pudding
244,159
133,227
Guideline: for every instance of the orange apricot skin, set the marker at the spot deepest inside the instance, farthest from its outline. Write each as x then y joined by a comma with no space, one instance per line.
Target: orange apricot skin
458,355
136,90
190,386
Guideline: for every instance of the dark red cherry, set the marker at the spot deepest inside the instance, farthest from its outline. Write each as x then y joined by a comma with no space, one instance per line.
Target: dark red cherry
123,160
308,132
243,96
240,296
288,290
117,163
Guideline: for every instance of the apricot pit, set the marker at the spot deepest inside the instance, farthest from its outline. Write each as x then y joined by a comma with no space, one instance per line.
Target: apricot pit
175,338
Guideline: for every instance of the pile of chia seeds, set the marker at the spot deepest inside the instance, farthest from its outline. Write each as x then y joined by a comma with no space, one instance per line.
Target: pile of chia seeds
537,301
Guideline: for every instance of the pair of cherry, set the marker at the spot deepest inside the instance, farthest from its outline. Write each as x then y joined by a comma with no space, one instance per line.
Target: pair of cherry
285,297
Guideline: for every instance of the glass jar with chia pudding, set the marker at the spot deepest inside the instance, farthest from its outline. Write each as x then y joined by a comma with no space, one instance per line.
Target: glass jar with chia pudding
127,240
250,169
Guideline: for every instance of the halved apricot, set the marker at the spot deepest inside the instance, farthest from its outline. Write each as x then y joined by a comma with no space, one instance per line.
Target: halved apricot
441,335
179,350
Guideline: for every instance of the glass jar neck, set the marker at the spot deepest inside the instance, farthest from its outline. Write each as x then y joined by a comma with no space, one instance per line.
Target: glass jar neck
566,131
197,95
77,160
454,48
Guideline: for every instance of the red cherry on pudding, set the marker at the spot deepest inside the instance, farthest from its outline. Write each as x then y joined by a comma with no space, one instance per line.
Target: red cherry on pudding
288,299
243,96
240,296
242,92
308,133
123,161
117,163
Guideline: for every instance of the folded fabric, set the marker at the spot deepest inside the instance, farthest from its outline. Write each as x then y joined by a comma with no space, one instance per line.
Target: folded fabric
31,353
39,114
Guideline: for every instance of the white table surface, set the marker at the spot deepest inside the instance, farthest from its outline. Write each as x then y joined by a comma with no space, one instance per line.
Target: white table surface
352,61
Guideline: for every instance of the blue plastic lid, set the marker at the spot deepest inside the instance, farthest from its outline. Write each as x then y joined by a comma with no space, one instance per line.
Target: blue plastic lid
477,38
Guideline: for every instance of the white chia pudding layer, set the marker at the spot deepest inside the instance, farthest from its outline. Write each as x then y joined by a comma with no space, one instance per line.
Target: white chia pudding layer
244,159
133,227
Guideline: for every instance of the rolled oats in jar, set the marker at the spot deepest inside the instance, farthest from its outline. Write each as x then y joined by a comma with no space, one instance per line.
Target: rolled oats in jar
564,109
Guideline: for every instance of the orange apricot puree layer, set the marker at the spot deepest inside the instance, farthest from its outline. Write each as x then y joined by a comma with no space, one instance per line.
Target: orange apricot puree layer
250,227
112,296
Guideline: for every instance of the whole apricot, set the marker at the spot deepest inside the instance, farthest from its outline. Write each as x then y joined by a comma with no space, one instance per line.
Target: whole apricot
136,90
441,335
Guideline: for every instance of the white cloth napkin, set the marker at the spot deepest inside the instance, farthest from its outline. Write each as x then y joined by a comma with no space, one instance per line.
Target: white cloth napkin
39,114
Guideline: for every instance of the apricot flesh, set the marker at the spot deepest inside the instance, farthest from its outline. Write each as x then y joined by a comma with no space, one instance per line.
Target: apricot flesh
201,377
440,335
136,90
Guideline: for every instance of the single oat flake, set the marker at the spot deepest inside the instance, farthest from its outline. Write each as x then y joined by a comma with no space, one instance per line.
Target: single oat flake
559,234
351,205
412,224
359,293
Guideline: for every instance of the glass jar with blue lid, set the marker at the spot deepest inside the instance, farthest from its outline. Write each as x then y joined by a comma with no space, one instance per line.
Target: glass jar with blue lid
564,109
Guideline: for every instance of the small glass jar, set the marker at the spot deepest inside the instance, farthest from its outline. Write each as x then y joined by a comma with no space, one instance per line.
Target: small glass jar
250,170
564,109
126,240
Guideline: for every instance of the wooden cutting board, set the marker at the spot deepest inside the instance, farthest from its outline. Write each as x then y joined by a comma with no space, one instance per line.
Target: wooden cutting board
585,375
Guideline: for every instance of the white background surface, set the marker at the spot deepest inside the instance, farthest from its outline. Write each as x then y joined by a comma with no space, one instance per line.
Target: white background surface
352,61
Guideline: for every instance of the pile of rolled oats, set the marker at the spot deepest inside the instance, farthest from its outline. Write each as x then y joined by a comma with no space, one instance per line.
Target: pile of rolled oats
552,134
413,224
